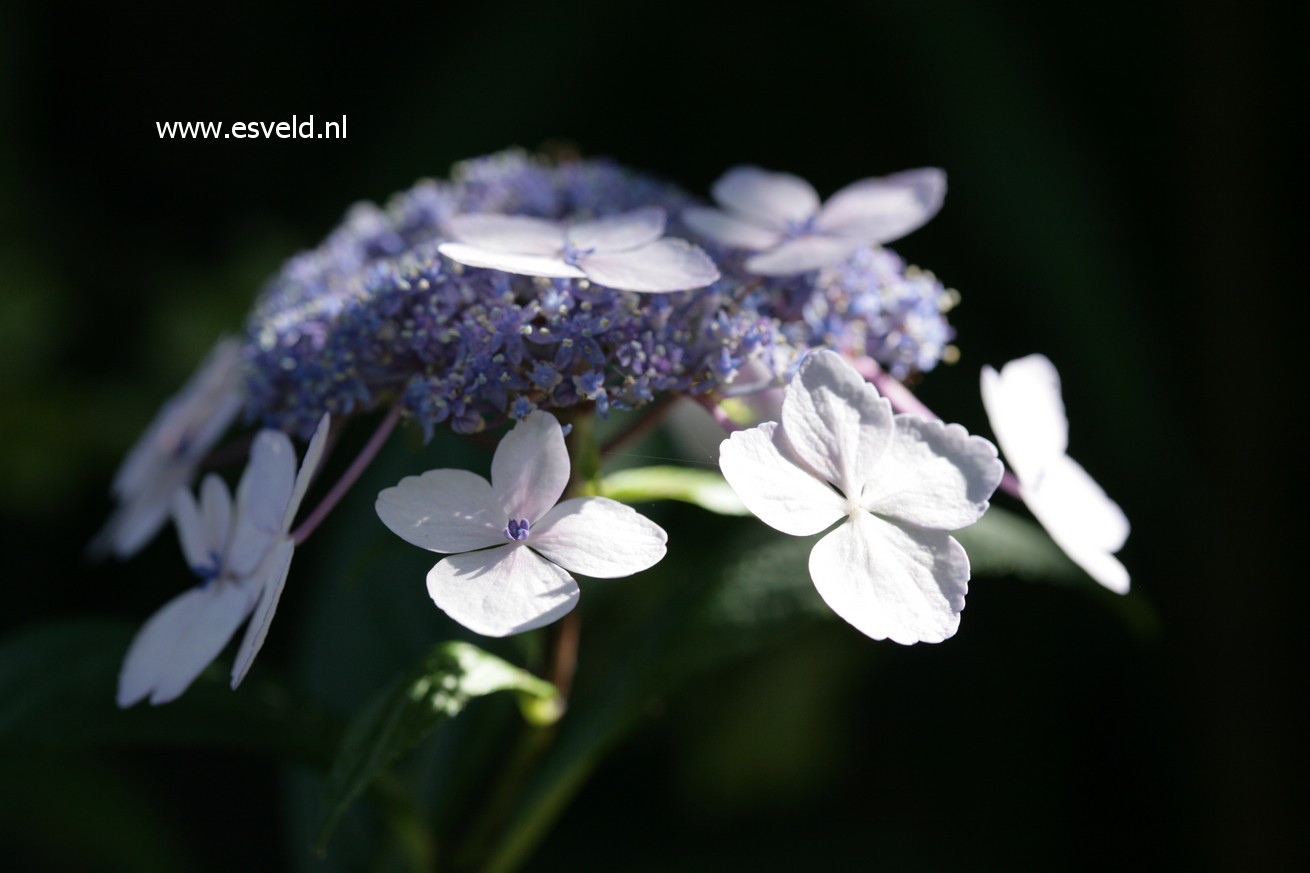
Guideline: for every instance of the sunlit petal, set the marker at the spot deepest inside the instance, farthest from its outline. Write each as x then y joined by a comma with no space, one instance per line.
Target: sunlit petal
444,511
502,591
890,582
598,537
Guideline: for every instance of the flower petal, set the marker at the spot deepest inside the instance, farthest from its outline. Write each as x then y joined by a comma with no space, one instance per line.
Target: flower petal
805,253
835,422
775,200
934,476
530,468
444,511
518,234
501,591
271,579
189,423
890,582
729,230
263,495
308,467
1082,520
190,529
165,457
618,233
550,266
215,512
758,465
202,530
665,265
1026,413
883,210
180,640
596,536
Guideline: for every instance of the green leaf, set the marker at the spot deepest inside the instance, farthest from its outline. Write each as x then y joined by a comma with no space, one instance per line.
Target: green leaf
409,709
703,488
1003,543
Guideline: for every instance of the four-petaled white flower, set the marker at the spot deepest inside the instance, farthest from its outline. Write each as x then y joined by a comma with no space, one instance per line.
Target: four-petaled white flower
1027,415
165,458
242,555
510,543
627,252
897,483
778,215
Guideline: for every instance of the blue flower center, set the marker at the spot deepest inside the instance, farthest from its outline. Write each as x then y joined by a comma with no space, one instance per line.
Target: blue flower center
210,571
570,254
796,229
517,529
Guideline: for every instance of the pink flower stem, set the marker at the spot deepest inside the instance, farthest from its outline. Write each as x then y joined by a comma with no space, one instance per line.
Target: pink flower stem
357,466
720,416
903,400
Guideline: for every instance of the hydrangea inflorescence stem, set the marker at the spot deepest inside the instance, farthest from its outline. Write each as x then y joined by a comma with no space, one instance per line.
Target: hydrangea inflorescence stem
352,473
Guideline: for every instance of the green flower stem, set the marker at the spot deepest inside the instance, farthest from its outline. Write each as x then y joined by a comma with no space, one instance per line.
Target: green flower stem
485,835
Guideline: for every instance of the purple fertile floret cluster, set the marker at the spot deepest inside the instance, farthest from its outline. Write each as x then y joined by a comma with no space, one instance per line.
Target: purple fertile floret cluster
376,312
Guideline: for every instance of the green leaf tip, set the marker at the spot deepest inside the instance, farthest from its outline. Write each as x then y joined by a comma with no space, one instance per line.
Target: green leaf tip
414,705
704,488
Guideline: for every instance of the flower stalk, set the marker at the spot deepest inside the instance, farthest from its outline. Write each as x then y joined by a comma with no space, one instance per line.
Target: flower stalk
348,478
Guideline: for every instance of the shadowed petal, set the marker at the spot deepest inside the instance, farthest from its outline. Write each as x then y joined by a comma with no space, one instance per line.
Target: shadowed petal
729,230
758,465
619,233
444,511
308,467
883,210
934,475
261,501
803,254
550,266
891,582
531,467
775,200
599,537
835,422
272,578
502,591
180,640
519,234
664,265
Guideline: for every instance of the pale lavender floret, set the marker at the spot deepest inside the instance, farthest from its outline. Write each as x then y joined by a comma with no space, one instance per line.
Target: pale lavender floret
377,311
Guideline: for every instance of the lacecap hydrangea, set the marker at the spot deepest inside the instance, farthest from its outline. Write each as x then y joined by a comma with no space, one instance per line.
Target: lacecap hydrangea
376,311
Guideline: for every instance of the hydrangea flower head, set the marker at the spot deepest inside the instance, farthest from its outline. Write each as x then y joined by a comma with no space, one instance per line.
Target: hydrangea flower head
1027,415
628,252
241,553
778,216
166,456
511,543
377,308
896,483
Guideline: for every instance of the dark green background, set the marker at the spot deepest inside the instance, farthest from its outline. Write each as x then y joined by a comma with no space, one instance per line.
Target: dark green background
1122,199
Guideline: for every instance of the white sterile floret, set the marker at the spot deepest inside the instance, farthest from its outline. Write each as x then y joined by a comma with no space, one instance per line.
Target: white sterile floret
242,553
896,484
511,544
165,458
628,252
778,215
1027,415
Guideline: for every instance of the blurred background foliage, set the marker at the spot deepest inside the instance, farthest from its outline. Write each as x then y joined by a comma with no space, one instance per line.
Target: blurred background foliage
1122,181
